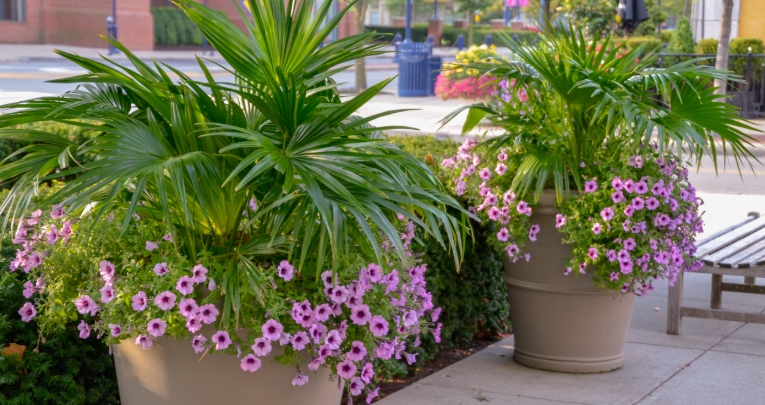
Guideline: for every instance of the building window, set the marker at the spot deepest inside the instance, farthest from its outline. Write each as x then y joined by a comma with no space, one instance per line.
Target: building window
374,18
11,10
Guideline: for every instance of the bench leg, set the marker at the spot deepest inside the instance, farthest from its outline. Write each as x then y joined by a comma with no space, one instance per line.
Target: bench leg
750,280
716,291
674,319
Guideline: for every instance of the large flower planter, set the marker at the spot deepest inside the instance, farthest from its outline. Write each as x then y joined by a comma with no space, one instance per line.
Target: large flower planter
563,323
170,373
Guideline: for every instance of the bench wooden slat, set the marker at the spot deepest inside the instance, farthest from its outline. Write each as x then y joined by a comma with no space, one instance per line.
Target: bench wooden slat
758,271
745,257
751,317
751,217
724,240
732,249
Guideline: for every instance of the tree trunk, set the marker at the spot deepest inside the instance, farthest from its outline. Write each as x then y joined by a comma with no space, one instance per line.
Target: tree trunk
361,67
723,43
470,22
688,7
547,12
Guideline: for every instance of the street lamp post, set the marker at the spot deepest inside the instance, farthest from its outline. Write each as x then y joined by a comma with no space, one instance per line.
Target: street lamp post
435,10
517,10
507,15
408,26
111,28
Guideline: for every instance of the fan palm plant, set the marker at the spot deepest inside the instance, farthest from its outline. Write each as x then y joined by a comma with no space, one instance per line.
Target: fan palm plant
571,101
197,155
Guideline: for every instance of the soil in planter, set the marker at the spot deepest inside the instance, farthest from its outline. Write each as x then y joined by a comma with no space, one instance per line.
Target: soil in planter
443,359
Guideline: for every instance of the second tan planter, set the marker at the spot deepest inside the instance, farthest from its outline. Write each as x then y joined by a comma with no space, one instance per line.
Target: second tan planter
563,323
170,373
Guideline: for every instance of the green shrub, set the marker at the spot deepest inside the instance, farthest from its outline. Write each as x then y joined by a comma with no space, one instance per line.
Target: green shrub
740,46
62,369
172,27
474,300
706,46
666,36
651,43
419,32
682,38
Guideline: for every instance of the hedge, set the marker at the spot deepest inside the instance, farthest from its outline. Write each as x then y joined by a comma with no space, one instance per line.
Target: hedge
651,43
172,27
449,38
740,46
60,369
706,46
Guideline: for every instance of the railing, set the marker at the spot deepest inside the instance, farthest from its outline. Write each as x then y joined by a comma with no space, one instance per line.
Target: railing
748,96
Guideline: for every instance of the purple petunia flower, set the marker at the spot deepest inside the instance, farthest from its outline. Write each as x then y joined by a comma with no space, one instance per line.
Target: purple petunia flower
652,203
156,327
590,186
27,312
592,253
185,285
261,347
410,318
567,271
198,343
597,228
151,246
357,352
629,186
501,169
139,301
641,187
560,221
107,293
356,386
161,269
168,237
165,300
300,379
339,294
299,341
272,329
611,255
208,313
617,184
221,340
379,326
629,244
372,395
367,373
84,304
346,369
144,341
617,197
106,268
115,330
503,235
250,363
188,307
199,274
84,329
360,315
285,270
607,214
637,203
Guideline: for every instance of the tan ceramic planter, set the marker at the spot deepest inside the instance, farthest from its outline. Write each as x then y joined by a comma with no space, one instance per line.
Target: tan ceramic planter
563,323
170,373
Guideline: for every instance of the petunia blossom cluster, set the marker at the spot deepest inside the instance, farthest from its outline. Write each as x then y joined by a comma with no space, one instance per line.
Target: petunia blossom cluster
136,293
634,224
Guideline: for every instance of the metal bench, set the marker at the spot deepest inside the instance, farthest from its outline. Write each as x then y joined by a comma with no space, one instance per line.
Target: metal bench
735,251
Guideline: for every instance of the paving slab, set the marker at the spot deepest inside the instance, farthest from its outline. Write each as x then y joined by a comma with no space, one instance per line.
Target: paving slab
495,373
749,339
427,394
716,378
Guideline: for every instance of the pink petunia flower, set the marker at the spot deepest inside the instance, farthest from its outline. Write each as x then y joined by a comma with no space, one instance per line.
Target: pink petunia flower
485,174
57,211
161,269
590,186
357,352
198,343
367,373
209,313
194,323
322,312
185,285
253,204
560,221
115,330
410,318
107,293
156,327
346,369
84,329
168,237
299,340
285,270
372,395
188,307
198,274
501,169
139,301
502,156
597,228
250,363
165,300
84,304
356,386
27,312
378,325
221,340
144,341
106,268
29,289
151,246
52,235
300,379
261,347
212,286
360,315
272,329
607,214
592,253
503,235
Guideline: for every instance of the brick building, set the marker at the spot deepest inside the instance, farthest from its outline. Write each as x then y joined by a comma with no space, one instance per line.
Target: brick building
82,22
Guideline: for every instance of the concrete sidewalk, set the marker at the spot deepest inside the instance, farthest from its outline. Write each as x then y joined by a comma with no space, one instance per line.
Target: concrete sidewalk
711,363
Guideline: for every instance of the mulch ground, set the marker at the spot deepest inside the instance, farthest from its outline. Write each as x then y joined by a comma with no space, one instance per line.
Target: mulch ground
443,359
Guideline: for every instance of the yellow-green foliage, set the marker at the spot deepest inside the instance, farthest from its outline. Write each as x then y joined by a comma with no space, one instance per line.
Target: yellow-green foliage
706,46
